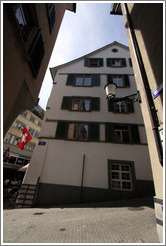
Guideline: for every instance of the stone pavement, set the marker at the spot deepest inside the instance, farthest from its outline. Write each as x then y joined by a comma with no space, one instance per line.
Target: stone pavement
127,221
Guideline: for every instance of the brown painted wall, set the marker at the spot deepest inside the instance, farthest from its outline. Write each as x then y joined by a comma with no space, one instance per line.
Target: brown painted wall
20,87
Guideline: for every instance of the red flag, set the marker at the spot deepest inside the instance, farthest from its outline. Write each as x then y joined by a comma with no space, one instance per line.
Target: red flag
25,138
6,154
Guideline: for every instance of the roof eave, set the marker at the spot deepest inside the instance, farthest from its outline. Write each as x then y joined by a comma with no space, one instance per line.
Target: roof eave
116,9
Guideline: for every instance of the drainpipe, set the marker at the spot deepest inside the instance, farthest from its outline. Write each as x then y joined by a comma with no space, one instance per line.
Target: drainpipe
82,180
147,90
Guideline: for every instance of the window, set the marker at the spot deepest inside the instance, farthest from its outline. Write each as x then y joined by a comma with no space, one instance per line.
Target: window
31,131
24,114
24,19
118,80
36,134
93,62
39,124
28,28
120,107
51,15
121,81
122,133
120,176
116,62
83,80
81,104
32,119
19,125
114,50
8,137
78,131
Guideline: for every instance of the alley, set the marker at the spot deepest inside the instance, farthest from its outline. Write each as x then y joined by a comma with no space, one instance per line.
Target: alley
131,221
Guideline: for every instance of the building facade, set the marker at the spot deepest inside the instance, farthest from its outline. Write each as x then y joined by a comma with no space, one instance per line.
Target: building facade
90,149
145,38
18,158
29,34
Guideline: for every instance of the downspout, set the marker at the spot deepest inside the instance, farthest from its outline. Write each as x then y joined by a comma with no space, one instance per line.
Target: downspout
82,180
147,90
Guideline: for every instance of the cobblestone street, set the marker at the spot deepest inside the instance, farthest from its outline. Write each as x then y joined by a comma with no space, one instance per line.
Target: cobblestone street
110,222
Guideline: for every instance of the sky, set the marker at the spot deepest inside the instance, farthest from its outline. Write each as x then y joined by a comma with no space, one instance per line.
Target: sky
85,31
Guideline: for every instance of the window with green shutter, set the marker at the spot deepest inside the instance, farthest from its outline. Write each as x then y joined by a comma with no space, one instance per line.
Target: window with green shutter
83,80
62,129
120,107
95,79
93,62
130,62
84,104
82,131
119,80
116,62
121,133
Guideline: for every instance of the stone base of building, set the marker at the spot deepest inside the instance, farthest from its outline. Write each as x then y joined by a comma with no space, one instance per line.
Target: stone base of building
53,194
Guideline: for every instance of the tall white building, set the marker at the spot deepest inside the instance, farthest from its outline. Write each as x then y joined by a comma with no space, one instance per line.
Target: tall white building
90,149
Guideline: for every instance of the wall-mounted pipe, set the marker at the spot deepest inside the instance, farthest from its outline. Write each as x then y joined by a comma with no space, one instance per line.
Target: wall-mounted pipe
147,90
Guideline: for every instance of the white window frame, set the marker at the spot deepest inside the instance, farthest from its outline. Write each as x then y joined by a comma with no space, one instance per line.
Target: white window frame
119,179
119,133
80,103
83,78
116,62
118,80
120,107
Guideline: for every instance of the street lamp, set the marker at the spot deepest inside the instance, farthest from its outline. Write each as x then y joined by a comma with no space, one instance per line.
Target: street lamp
110,89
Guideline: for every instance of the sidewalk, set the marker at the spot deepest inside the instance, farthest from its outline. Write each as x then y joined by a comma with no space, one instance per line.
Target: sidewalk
129,221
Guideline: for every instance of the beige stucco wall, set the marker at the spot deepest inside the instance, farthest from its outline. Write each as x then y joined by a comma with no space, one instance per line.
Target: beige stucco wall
154,78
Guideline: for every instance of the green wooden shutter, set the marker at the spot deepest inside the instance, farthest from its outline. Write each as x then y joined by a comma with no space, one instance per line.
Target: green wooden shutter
126,80
101,62
109,77
130,107
130,62
86,62
71,79
95,79
135,134
94,132
109,132
61,131
109,62
95,103
111,107
123,62
66,103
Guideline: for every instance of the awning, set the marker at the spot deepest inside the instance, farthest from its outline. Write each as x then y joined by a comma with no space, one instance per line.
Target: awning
24,168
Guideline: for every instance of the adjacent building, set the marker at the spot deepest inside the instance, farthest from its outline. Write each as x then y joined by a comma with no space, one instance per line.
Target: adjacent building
90,149
32,120
144,28
29,34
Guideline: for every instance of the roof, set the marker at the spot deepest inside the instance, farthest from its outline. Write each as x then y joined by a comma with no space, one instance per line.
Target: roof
53,70
116,9
71,7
